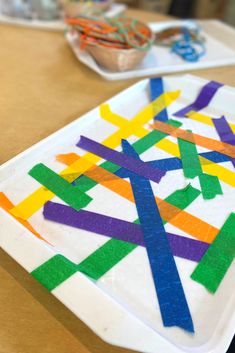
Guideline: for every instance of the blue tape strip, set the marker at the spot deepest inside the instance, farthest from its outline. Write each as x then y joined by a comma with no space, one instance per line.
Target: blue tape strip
170,293
175,163
156,90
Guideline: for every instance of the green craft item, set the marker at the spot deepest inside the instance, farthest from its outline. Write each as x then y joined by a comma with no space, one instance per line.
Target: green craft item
60,187
214,264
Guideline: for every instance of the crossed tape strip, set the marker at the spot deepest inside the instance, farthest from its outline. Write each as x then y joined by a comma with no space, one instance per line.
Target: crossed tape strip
38,198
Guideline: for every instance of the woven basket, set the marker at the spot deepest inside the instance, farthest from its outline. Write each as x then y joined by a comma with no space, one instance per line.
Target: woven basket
74,9
116,59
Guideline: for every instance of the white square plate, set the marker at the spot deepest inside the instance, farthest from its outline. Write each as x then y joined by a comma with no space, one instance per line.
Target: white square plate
121,307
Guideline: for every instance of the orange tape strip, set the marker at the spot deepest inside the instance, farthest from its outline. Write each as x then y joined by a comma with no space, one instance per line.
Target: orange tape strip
7,205
203,141
170,213
101,176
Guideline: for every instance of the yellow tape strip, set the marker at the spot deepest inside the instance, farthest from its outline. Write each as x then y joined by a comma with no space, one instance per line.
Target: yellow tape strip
37,199
205,119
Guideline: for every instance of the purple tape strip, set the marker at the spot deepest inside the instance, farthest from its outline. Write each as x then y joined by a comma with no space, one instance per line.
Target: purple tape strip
116,228
224,130
130,163
225,133
202,100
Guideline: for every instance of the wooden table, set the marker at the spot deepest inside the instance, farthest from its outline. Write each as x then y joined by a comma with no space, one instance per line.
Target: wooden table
43,87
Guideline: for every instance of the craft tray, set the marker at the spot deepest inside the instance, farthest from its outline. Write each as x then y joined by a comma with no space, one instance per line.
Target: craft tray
220,51
121,307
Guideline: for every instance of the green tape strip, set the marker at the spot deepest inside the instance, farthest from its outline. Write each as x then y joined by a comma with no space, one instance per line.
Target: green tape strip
210,184
70,194
190,160
104,258
84,183
216,261
182,198
54,271
58,269
108,255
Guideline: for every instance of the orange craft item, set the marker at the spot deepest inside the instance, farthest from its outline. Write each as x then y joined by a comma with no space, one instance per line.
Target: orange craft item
7,205
107,34
199,140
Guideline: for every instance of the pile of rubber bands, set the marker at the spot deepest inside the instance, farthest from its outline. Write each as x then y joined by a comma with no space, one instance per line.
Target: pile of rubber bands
184,41
118,33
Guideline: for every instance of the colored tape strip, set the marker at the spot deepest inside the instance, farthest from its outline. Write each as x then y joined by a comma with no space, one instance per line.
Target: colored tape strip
54,271
58,269
113,251
60,187
222,173
129,127
164,271
141,146
203,99
190,160
93,222
225,133
97,174
170,209
224,130
206,119
134,126
31,204
116,228
104,258
156,90
120,159
210,184
6,205
174,163
203,141
213,266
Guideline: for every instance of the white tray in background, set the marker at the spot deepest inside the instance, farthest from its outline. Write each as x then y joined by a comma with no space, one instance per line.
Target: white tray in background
54,25
121,307
220,44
